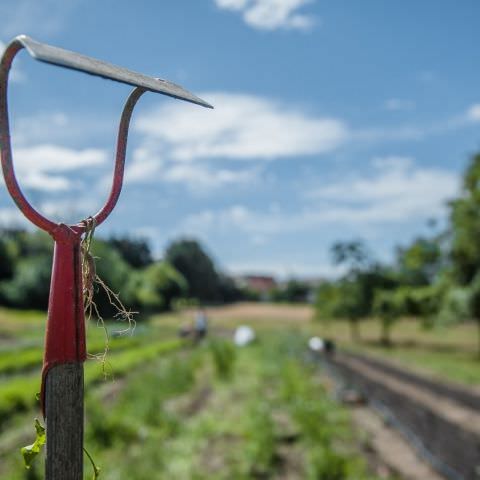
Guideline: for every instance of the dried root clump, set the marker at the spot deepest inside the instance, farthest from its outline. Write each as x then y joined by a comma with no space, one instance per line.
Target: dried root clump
92,283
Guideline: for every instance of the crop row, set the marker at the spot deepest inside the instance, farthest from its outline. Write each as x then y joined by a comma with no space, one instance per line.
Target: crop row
14,361
19,394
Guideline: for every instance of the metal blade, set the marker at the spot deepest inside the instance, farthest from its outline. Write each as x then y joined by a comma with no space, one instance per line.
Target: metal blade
77,61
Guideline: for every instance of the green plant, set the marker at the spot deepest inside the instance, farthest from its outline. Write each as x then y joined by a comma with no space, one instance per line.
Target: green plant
261,442
326,464
223,354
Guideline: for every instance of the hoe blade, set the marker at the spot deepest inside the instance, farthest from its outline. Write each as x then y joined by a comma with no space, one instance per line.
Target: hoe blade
76,61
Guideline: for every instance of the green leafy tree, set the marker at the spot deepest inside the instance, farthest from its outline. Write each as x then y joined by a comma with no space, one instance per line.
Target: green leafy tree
198,269
340,300
26,265
389,305
465,234
294,291
158,286
7,258
30,283
354,254
114,271
352,296
135,251
229,292
420,262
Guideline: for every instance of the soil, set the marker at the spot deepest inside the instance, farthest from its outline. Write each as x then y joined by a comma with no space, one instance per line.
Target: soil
387,452
441,416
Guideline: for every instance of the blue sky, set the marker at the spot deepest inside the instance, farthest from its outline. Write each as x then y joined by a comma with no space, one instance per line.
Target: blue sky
333,120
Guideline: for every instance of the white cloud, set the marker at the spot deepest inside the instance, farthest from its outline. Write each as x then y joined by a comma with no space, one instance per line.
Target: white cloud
397,191
68,209
75,129
271,14
10,216
473,113
48,157
37,166
232,4
399,104
145,166
196,177
241,127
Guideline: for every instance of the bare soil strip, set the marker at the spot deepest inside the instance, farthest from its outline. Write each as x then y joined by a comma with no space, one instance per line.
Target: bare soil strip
390,449
448,428
465,417
461,394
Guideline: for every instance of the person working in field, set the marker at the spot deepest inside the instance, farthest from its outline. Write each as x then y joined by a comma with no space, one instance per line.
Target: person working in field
201,324
198,329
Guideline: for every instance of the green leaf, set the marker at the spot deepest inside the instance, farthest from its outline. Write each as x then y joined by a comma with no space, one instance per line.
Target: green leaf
30,452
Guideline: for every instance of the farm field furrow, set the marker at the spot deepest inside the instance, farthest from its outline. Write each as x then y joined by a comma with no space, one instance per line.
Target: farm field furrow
19,394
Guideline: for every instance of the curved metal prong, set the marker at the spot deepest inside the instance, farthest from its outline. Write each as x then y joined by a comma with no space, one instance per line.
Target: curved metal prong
6,149
122,137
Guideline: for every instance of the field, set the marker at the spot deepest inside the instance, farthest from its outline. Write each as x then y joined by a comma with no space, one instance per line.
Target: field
169,409
447,353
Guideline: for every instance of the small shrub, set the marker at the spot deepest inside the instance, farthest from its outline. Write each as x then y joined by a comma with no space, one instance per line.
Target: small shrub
223,354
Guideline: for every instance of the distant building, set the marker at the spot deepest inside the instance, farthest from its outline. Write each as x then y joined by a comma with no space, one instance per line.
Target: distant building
261,284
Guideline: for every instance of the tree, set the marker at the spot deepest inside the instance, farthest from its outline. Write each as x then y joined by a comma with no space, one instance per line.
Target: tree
293,291
114,271
158,286
354,296
198,269
465,234
389,306
420,262
353,254
7,259
30,283
135,251
26,265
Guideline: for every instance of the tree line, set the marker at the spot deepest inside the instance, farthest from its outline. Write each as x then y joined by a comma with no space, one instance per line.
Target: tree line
436,278
185,274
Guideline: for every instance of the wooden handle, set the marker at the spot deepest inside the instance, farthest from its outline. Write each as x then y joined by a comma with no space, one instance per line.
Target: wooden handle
64,418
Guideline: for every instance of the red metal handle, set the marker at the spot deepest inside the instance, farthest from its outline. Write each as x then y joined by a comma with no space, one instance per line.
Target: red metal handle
6,151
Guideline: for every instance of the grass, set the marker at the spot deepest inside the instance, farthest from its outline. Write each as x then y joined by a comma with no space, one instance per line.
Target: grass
445,353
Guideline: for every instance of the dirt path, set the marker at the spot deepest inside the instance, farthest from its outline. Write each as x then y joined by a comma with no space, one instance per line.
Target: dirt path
389,449
442,418
466,418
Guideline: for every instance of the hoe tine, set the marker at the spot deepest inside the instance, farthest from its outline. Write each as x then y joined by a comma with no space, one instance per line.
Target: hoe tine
76,61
